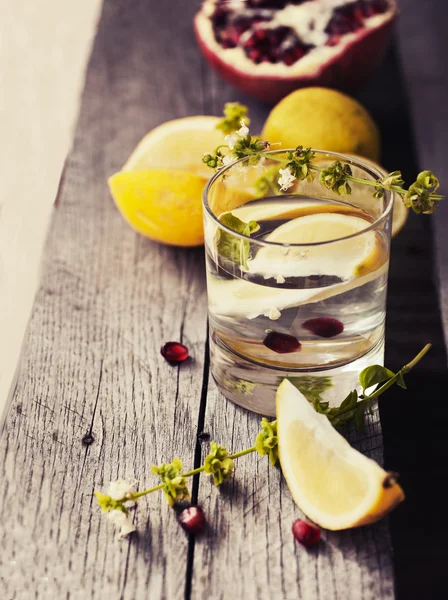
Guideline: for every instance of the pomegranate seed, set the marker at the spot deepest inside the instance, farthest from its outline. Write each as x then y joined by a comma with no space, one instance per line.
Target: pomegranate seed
174,352
326,327
192,519
306,533
282,343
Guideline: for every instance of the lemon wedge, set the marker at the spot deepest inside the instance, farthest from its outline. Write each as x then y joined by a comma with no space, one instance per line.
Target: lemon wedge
177,145
163,206
160,187
332,483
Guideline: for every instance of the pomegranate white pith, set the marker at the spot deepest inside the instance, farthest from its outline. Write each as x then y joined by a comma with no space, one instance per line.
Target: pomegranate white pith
268,48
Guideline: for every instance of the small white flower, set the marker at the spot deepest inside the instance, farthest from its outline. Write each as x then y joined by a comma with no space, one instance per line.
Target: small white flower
122,522
227,160
117,490
231,140
286,180
280,279
244,130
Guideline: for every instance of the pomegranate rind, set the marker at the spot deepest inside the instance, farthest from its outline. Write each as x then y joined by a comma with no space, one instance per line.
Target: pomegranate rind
354,61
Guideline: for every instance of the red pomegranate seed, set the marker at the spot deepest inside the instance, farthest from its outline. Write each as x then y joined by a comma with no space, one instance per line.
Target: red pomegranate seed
174,352
282,343
192,519
306,533
326,327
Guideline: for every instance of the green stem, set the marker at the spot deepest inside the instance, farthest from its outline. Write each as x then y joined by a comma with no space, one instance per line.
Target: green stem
243,452
188,474
403,371
361,180
417,359
145,492
273,157
367,400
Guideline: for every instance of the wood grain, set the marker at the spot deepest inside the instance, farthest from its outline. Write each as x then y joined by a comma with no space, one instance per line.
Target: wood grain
426,71
107,301
249,551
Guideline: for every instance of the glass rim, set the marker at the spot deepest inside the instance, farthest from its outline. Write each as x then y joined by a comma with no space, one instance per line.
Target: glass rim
370,169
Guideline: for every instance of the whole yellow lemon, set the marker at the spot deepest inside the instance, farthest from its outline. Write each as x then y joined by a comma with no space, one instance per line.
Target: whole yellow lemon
324,119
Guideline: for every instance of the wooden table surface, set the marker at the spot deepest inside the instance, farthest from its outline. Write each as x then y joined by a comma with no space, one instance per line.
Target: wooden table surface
109,298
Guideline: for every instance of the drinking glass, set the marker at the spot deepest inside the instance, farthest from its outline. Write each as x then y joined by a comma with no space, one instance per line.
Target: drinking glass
296,281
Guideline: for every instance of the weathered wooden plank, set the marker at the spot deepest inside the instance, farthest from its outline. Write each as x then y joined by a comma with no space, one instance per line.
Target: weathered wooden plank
107,301
248,551
421,413
426,71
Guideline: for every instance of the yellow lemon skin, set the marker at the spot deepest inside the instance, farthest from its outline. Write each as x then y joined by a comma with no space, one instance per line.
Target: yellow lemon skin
163,205
324,119
177,144
401,213
332,483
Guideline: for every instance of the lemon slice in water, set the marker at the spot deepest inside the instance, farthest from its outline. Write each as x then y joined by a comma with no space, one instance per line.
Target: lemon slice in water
332,483
344,259
354,261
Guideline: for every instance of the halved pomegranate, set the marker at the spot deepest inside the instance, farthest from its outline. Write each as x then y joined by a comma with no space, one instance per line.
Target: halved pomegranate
268,48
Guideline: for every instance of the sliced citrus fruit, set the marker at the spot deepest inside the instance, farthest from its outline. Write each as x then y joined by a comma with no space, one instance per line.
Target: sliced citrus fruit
289,209
342,259
161,205
332,483
177,145
400,213
354,261
363,193
399,217
241,298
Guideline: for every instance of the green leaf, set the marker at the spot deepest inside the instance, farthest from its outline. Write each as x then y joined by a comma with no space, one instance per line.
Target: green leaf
360,423
311,387
174,484
373,375
104,501
334,178
218,463
350,401
234,112
266,442
232,247
267,183
400,380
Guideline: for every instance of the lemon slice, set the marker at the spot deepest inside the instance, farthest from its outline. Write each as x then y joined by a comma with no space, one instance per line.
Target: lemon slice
400,216
161,206
400,212
332,483
355,261
289,209
344,259
241,298
177,145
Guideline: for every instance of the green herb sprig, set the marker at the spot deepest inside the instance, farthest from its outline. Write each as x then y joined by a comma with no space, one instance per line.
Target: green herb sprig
220,463
421,195
355,406
228,246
